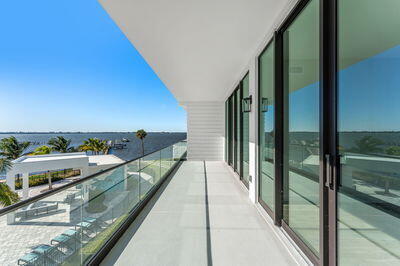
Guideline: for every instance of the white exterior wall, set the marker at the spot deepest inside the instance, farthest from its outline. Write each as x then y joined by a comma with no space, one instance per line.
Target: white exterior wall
205,130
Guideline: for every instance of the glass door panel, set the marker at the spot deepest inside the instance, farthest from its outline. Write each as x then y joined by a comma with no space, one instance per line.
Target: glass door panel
369,132
301,126
231,133
245,133
238,128
226,131
266,127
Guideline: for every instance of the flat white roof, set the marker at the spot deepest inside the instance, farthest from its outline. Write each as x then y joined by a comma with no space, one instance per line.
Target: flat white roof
50,157
104,159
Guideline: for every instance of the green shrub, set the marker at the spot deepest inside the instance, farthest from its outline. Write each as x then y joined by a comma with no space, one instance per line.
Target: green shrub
41,179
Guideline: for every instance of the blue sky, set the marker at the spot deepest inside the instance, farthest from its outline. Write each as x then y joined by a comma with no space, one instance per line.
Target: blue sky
65,66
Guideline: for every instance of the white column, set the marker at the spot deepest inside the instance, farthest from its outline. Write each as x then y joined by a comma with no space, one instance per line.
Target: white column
84,171
25,186
10,181
253,130
85,185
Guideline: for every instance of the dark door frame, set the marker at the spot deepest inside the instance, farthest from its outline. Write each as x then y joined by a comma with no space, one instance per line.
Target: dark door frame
244,181
267,208
326,73
329,159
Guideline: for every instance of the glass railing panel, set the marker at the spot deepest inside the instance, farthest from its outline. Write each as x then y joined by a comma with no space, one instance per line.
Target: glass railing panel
166,159
149,172
179,150
70,226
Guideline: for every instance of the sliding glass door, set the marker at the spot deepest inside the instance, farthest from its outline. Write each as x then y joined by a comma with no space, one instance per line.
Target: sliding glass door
301,126
226,131
238,130
368,199
334,186
229,130
266,114
245,132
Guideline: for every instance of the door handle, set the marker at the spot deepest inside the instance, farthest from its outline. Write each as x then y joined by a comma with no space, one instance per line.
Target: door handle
329,171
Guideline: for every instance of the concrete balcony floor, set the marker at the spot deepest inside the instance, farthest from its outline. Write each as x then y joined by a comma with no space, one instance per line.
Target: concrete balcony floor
200,216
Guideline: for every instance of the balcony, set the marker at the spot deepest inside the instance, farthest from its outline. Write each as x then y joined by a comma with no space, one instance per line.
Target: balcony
156,208
201,216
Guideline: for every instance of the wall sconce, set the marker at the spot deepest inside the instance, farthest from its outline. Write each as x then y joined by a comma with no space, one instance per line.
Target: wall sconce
246,104
264,105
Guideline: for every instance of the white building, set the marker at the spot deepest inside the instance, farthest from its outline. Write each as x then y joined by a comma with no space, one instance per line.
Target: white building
87,164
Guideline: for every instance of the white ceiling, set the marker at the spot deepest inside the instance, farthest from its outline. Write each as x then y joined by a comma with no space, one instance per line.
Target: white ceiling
198,48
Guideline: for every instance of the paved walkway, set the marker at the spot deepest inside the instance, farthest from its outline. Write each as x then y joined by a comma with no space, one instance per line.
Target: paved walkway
201,216
19,238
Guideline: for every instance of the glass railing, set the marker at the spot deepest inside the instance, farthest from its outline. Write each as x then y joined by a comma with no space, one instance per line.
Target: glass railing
70,225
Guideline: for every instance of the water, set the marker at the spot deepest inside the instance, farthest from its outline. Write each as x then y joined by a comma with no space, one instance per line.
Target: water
153,141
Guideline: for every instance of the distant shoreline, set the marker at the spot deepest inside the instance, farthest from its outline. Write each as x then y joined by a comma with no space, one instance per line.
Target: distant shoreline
89,132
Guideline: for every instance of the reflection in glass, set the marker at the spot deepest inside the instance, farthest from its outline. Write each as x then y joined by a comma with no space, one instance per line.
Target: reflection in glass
266,114
301,126
369,133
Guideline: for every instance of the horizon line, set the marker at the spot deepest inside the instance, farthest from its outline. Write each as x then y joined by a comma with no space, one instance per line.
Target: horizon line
75,132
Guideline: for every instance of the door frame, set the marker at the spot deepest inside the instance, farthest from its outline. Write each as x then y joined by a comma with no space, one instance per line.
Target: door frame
329,157
267,208
328,153
323,130
244,181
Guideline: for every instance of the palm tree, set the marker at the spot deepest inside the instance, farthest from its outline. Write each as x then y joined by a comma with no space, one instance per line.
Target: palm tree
95,145
42,150
5,164
141,134
7,196
12,149
59,144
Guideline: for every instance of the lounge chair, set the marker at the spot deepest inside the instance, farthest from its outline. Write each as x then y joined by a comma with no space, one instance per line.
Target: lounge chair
29,259
64,241
52,255
74,234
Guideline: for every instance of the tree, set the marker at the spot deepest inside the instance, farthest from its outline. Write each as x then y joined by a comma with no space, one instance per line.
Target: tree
367,144
42,150
7,196
12,149
59,144
95,145
5,164
393,150
141,134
